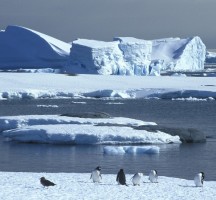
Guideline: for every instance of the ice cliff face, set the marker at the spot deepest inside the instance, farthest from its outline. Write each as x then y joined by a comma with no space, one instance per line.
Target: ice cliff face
131,56
136,54
123,56
90,56
25,48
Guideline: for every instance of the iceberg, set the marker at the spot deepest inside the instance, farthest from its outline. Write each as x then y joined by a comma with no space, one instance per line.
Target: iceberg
22,47
25,48
96,57
116,150
136,54
87,134
177,54
132,56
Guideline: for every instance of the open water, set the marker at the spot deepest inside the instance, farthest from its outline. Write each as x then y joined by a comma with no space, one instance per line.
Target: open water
182,160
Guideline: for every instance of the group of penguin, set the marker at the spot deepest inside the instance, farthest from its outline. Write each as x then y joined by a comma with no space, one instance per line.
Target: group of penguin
121,178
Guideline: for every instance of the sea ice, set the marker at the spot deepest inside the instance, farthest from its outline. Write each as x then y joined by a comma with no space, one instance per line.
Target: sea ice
115,150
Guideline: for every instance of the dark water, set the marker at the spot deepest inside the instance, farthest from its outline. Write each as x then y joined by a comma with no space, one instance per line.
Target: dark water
174,160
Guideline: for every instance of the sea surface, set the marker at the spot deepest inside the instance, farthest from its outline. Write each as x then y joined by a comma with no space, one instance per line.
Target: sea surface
174,160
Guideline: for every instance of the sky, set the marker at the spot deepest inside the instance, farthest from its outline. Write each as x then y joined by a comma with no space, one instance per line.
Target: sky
105,19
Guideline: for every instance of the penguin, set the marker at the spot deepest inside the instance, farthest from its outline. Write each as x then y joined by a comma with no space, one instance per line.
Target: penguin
121,179
199,179
46,183
137,178
153,176
96,175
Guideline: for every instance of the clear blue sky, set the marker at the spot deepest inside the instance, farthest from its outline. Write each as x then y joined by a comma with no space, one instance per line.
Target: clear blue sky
105,19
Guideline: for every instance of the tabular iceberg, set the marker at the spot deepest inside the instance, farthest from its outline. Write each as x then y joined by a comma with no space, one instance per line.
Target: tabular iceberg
21,47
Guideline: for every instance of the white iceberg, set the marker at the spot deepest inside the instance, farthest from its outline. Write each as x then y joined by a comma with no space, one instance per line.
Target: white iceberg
177,54
13,122
25,48
136,54
95,57
87,134
115,150
22,47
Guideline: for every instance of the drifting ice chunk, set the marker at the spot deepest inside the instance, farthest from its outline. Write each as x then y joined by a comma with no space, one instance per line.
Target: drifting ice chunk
96,57
137,54
21,47
114,150
179,54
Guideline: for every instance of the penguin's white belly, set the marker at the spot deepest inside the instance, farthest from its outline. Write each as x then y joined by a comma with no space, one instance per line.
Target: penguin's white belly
96,176
197,181
136,180
153,178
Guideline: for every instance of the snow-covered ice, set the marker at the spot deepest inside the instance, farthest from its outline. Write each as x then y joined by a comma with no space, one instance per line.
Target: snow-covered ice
87,134
22,47
95,57
56,129
179,54
132,56
13,122
115,150
26,186
136,54
33,86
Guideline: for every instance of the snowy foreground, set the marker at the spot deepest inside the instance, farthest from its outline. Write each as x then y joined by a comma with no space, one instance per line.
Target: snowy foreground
40,85
71,186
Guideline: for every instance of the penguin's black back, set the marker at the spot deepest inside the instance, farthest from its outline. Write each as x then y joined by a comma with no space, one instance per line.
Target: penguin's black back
121,177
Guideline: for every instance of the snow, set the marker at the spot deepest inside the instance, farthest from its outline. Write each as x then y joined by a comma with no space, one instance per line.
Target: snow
33,86
54,129
13,122
115,150
26,186
87,134
22,47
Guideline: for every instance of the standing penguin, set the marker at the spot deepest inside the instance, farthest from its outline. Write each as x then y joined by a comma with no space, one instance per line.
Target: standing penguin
121,179
153,177
198,179
137,178
96,175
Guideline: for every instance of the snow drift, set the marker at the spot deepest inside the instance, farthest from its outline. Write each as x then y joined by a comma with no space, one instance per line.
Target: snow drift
21,47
